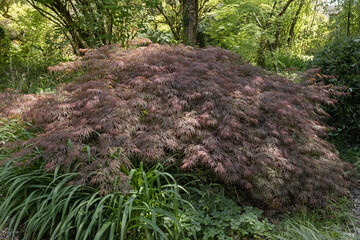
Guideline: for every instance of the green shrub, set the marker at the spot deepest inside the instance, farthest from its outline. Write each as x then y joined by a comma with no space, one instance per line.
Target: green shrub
2,32
158,36
341,58
279,61
352,155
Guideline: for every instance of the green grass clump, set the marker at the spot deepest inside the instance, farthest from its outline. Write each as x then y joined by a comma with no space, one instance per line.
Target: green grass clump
332,223
306,230
13,129
43,204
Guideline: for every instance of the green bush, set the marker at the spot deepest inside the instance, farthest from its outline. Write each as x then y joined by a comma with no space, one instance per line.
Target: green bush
158,36
341,58
2,32
281,60
4,45
352,155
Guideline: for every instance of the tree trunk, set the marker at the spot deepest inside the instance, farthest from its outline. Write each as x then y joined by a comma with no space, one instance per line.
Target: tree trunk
77,35
348,19
261,52
293,24
190,21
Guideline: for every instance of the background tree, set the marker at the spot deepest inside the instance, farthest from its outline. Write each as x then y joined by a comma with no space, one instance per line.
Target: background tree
267,26
346,17
183,17
4,7
95,23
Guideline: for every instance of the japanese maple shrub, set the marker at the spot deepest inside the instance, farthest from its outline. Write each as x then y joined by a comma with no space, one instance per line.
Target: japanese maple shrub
251,128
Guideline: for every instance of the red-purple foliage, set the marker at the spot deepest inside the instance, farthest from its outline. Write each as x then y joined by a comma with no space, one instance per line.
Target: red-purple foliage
251,128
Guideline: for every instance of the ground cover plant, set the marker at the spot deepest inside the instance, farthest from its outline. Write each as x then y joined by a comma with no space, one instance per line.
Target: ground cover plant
220,115
306,230
216,216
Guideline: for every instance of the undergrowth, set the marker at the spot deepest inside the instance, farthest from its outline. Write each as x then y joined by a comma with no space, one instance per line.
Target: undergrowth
13,129
44,204
352,155
318,225
48,205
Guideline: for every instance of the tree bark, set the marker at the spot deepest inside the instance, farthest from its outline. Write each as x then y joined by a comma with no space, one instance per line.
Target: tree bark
348,19
190,21
293,24
261,51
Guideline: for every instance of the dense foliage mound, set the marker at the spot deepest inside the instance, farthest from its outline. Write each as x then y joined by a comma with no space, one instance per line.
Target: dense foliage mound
216,112
341,58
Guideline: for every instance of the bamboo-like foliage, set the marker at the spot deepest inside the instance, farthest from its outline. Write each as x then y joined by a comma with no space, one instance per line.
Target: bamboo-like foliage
44,204
307,231
253,129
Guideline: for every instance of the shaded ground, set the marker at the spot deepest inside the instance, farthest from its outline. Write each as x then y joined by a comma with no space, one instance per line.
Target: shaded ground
4,233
